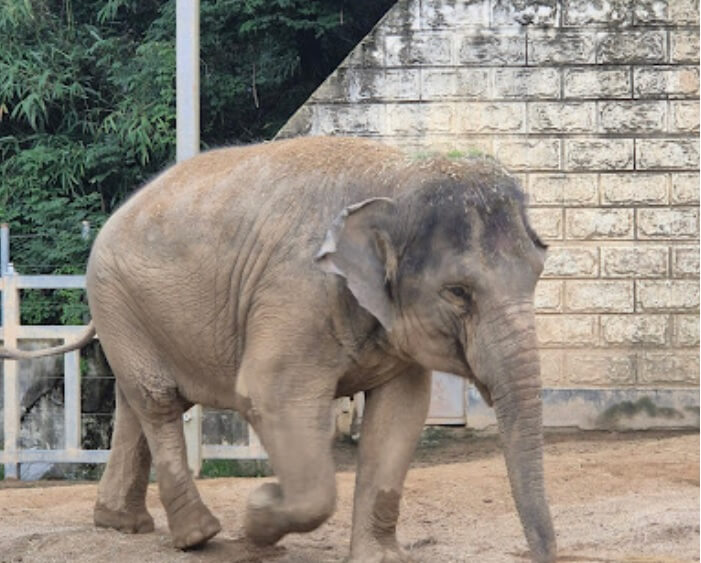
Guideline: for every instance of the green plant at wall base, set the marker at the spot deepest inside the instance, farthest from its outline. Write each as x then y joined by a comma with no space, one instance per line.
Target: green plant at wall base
212,468
87,106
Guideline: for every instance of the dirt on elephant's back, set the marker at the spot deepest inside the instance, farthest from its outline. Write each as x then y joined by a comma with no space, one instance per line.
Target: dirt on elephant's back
614,497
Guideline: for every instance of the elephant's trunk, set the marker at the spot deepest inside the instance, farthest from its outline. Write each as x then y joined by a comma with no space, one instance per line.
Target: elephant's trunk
516,392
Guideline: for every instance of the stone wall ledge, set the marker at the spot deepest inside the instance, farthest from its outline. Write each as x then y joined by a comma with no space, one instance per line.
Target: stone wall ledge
604,409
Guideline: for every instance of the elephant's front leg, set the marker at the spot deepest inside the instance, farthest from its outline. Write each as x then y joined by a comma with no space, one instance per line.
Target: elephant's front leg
292,415
394,416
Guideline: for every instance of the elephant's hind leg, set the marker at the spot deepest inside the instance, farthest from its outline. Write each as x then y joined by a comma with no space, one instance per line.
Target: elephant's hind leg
190,521
149,390
121,497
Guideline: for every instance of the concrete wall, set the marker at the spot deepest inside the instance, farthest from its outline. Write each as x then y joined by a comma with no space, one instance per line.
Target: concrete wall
594,105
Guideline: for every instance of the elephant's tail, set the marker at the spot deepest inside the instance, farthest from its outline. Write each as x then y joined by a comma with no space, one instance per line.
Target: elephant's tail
14,354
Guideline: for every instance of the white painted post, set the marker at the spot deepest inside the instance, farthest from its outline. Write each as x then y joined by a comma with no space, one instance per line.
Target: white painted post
4,248
187,84
71,407
10,325
187,53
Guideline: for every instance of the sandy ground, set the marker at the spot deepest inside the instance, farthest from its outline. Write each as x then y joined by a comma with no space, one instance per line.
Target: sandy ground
614,497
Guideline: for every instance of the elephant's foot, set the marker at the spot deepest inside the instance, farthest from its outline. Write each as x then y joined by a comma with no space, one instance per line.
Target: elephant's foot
262,523
193,526
130,522
378,554
270,515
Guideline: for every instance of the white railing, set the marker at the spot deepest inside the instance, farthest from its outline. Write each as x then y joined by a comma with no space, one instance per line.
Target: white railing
12,330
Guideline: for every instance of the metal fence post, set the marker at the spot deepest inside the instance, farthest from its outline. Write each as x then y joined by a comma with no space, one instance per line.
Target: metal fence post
187,53
4,248
10,325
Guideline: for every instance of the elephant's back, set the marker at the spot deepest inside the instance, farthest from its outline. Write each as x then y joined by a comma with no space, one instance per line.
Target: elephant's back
298,181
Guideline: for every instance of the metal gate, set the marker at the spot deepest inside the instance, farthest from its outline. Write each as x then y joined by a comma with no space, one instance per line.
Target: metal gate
12,455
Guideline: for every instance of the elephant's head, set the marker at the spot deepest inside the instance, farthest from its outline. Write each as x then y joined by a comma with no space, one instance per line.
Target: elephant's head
449,269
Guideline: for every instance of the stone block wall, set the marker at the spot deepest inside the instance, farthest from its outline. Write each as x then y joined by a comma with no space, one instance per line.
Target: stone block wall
593,104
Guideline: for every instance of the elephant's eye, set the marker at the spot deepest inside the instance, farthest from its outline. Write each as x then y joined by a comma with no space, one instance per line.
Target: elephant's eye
459,295
458,291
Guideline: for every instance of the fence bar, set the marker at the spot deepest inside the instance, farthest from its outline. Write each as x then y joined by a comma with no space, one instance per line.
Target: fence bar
71,402
10,322
51,282
59,456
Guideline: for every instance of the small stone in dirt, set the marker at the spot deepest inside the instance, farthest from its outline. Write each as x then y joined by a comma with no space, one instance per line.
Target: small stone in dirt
487,500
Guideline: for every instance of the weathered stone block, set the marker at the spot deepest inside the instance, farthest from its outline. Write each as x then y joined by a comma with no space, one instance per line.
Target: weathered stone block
628,47
599,296
370,53
454,83
352,119
400,84
547,222
301,123
666,12
525,12
685,116
526,83
495,48
599,368
634,262
492,117
440,14
617,330
568,262
667,295
567,330
472,145
633,117
599,154
669,223
685,188
673,366
551,363
676,82
358,84
528,154
597,83
562,189
418,48
586,12
558,47
686,330
559,117
598,224
548,296
403,17
684,46
685,262
633,189
416,119
669,154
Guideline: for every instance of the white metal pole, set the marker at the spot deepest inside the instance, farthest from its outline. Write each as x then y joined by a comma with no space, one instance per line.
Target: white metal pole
187,55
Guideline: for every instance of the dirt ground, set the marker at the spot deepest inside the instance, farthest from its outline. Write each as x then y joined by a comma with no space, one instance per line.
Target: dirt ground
614,497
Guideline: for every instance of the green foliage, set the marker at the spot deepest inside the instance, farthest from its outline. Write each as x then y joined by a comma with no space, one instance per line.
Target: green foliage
87,106
212,468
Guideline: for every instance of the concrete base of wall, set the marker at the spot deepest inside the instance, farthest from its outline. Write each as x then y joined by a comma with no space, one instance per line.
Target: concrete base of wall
604,409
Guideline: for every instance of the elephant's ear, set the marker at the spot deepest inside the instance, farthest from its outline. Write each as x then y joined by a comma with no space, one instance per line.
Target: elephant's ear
358,248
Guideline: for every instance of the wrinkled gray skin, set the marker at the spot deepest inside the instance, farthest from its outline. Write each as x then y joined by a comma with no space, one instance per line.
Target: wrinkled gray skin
272,279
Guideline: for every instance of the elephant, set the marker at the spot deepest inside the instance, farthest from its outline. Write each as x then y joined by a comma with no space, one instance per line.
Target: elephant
273,278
